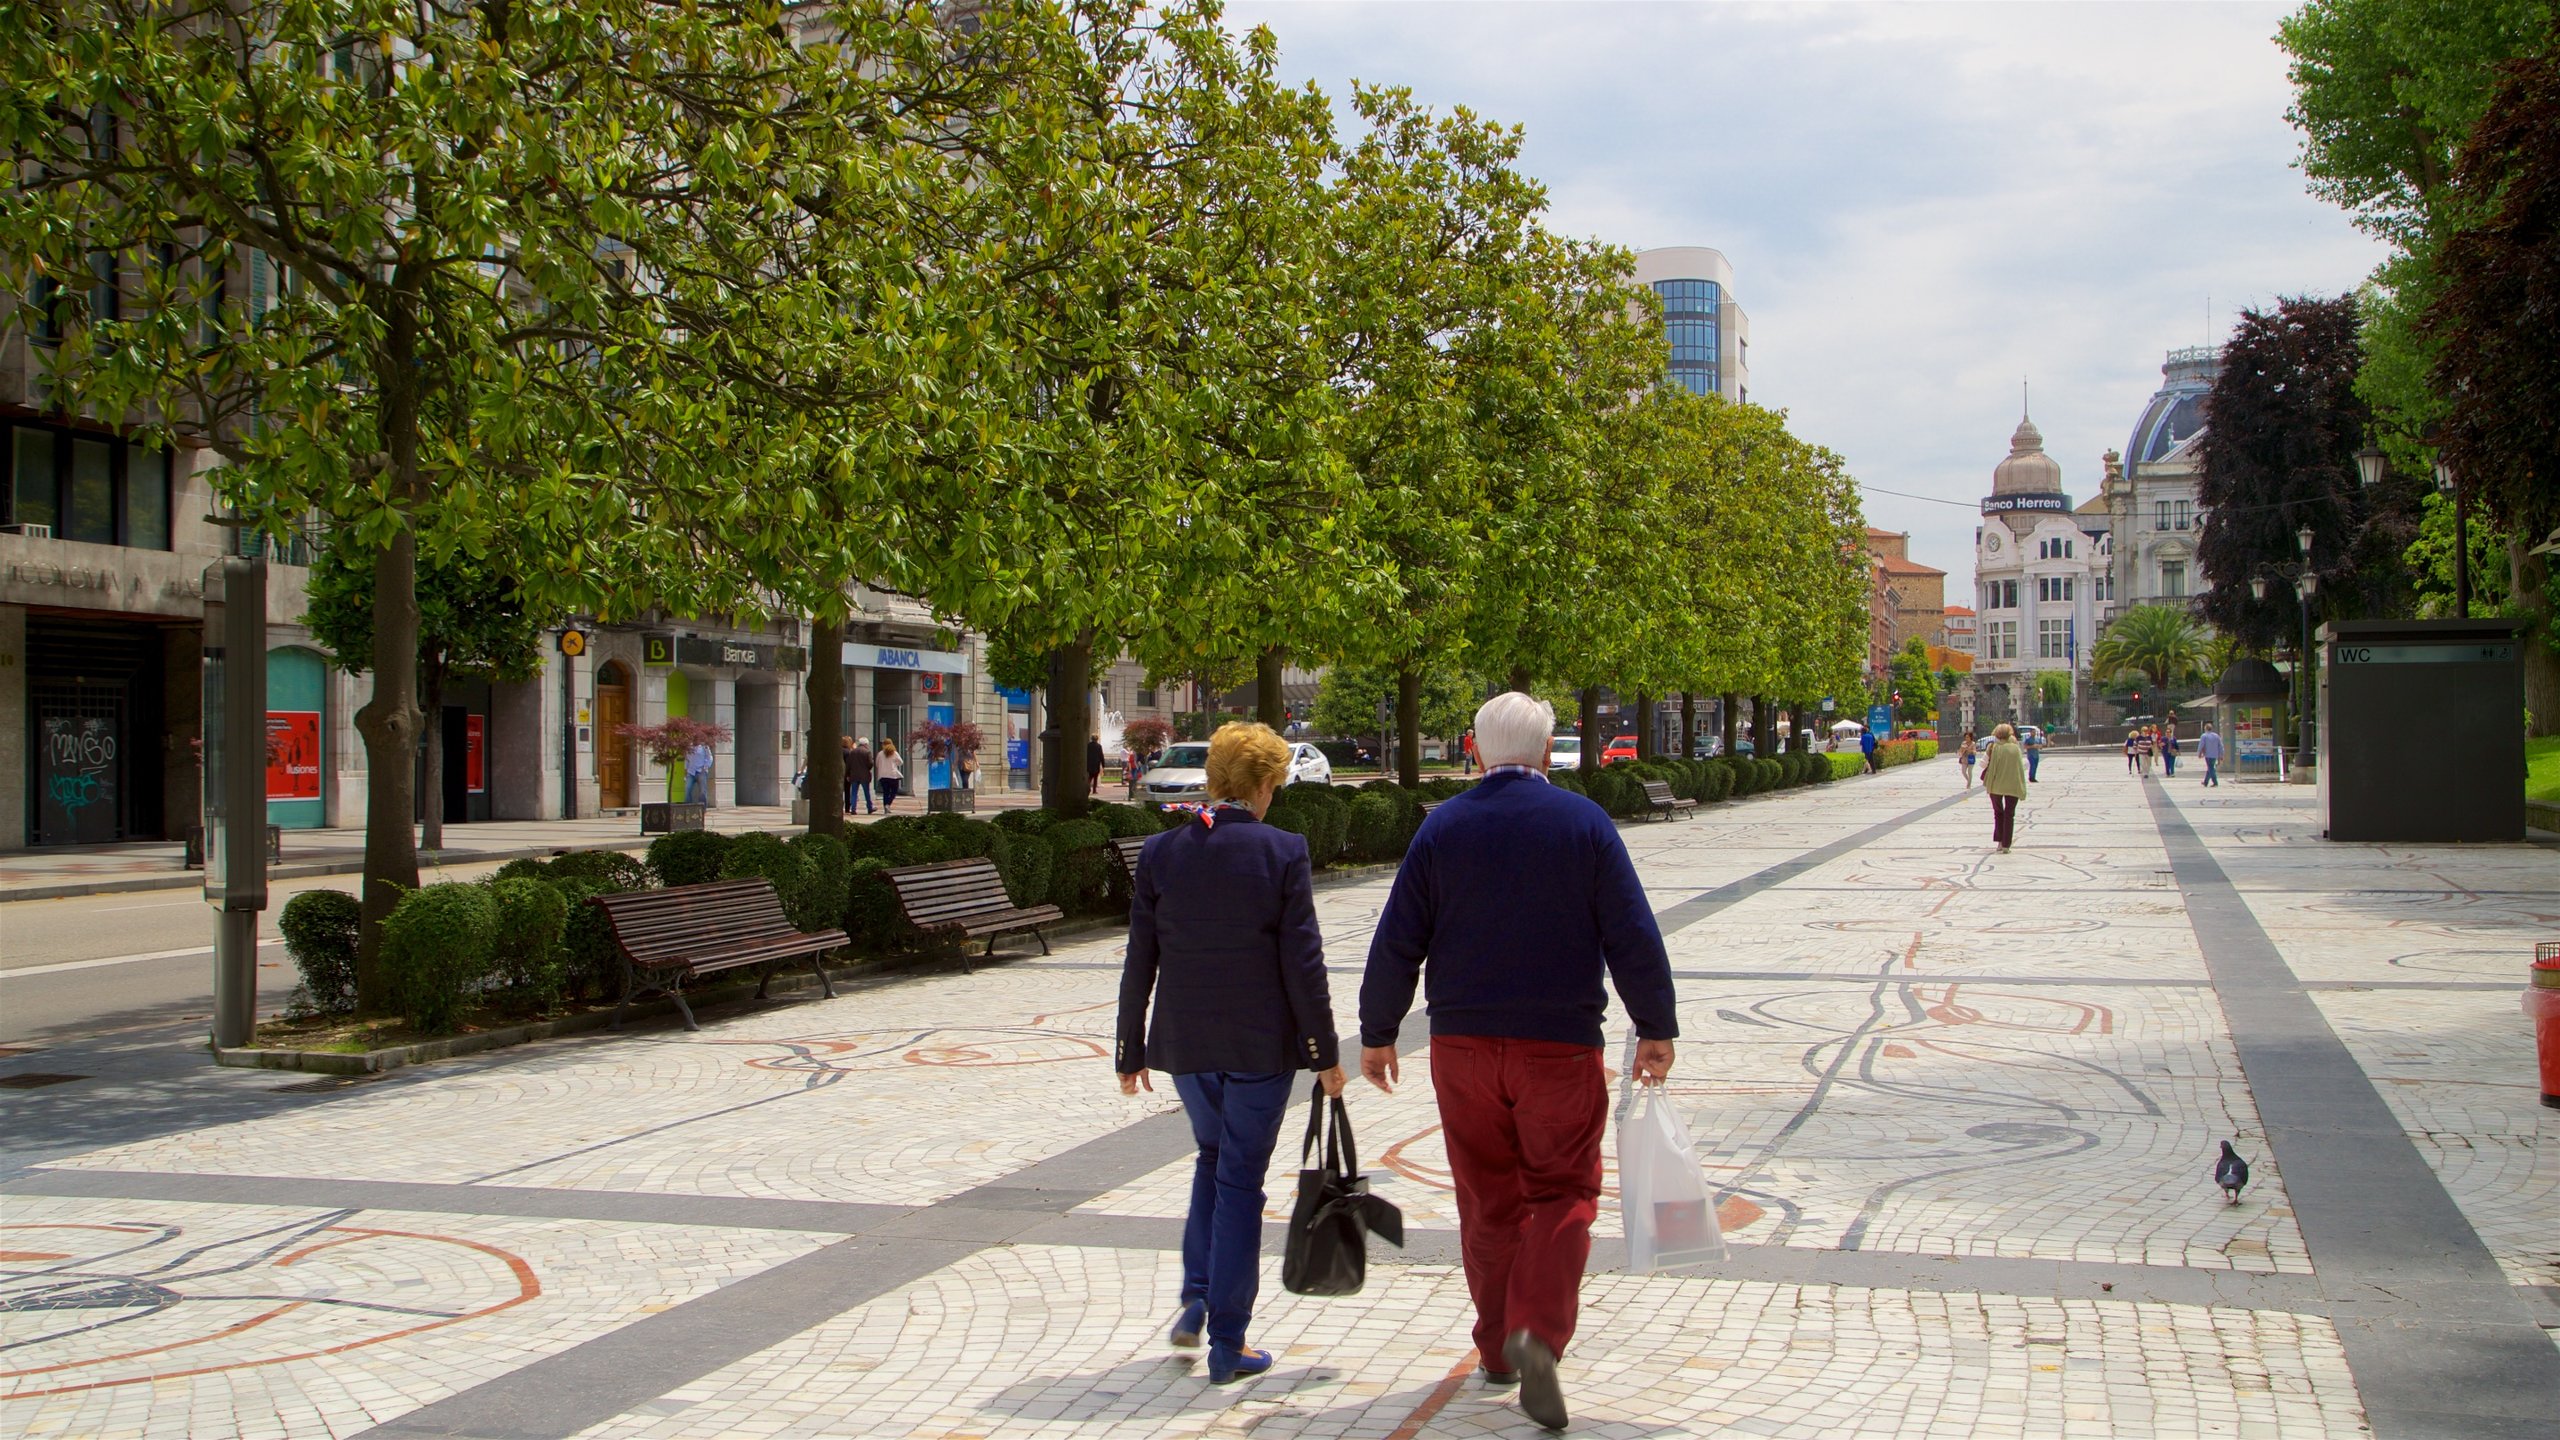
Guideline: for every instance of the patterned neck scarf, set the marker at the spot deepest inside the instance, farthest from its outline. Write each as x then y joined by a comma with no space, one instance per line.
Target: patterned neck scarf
1208,813
1532,771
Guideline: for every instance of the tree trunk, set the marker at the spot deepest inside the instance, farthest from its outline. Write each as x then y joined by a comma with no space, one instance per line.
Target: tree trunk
1409,727
1730,705
388,724
1269,706
2529,577
1520,679
1071,715
1644,726
826,725
1588,722
431,771
1763,742
1688,723
1804,729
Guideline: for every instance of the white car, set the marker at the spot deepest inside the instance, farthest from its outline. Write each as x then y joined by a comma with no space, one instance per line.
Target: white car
1181,773
1564,752
1307,765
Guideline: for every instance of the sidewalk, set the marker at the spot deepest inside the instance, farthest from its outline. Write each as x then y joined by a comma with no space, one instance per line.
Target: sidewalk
158,864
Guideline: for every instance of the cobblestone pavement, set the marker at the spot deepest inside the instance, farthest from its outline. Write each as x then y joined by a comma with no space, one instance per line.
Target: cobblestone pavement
1960,1108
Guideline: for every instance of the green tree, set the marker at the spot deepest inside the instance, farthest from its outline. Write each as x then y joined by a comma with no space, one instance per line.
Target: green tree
1348,700
368,247
2159,643
1916,684
2053,696
2499,358
473,622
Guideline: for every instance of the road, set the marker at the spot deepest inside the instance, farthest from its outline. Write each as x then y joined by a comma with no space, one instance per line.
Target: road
95,963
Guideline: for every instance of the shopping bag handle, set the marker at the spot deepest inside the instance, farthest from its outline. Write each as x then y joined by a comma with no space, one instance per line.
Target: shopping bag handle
1341,1151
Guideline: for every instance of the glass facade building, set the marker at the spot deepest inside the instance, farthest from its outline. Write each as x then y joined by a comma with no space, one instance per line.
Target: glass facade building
1692,313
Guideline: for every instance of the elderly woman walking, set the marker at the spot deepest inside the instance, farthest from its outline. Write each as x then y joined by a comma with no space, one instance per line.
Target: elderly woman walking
1223,937
2004,779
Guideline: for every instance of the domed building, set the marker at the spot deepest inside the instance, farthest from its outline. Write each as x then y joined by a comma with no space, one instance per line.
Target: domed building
2149,492
2039,577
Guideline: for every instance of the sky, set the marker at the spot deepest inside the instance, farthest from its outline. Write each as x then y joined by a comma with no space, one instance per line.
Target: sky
1924,203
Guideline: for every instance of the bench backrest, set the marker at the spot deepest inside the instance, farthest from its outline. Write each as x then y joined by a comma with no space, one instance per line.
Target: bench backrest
657,927
1125,849
949,890
1657,791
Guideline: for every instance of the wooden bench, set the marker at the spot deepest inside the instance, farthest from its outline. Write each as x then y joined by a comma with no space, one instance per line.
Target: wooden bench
965,898
1427,806
1124,853
1659,800
666,937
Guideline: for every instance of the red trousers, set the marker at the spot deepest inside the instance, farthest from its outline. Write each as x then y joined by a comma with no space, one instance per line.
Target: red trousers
1523,1121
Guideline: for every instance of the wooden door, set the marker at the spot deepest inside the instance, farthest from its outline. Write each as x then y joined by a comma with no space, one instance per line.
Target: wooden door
613,753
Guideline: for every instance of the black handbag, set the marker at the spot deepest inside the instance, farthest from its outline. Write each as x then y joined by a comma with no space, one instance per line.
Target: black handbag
1328,1251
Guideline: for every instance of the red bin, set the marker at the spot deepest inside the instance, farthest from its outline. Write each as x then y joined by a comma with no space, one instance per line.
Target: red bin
2542,1002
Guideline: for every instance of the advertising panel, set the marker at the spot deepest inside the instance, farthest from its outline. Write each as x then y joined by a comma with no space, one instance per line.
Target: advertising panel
475,753
293,755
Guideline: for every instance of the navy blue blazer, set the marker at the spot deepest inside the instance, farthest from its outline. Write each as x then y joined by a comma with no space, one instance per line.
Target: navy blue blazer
1222,934
1520,896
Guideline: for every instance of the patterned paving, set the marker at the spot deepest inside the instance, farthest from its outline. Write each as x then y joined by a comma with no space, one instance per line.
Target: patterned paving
1942,1061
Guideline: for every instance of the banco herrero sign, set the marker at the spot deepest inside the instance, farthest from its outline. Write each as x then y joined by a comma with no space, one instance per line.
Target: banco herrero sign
2059,504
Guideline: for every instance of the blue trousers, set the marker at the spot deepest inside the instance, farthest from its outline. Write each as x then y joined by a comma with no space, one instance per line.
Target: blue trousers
2034,754
2169,762
858,790
697,788
1236,1120
2212,766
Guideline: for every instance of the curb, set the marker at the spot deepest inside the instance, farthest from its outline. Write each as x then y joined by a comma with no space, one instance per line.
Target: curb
191,879
2542,815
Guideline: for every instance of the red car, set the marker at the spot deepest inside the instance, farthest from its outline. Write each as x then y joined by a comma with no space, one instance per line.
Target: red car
1621,748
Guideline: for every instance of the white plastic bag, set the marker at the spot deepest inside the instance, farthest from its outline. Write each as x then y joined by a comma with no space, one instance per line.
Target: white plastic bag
1670,1213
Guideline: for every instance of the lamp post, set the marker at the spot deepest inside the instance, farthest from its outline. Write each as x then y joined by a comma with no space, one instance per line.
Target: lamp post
2306,583
2371,462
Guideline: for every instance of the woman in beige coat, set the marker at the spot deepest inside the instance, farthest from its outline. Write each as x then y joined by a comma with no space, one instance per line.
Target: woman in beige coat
2004,779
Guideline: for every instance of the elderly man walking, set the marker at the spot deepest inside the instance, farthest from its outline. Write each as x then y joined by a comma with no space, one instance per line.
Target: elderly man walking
1513,901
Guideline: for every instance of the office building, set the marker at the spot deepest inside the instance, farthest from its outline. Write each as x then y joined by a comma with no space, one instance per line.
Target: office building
1710,336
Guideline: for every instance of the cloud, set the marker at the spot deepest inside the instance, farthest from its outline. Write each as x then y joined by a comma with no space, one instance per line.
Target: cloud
1923,203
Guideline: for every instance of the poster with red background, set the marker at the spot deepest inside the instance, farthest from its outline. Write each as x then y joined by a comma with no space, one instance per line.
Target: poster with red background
475,765
293,754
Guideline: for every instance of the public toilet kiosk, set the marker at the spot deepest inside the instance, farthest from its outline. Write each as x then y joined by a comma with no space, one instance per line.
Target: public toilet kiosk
2248,711
2421,732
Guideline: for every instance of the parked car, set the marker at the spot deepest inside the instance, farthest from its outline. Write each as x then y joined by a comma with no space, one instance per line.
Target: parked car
1706,747
1914,732
1564,752
1621,748
1181,773
1307,765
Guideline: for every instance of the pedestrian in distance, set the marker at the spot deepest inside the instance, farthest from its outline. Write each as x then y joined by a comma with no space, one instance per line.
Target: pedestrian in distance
1513,905
1223,940
857,778
1093,758
2004,779
1467,753
967,770
1867,747
1965,757
1131,767
2132,738
2033,743
2169,749
892,770
697,774
2209,750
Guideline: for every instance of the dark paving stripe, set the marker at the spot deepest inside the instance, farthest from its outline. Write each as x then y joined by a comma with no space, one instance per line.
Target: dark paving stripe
1733,892
587,1384
822,1216
2439,1342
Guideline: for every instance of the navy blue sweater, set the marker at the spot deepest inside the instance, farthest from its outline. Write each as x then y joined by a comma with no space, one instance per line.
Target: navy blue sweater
1518,895
1223,939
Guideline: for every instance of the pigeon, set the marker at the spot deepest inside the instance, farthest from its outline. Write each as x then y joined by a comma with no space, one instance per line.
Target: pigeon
2231,1173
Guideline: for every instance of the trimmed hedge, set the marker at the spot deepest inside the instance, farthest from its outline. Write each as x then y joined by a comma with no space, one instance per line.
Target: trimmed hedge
320,934
1317,814
525,959
1845,763
612,867
436,951
688,857
830,871
757,855
1905,752
1027,869
1082,876
1376,825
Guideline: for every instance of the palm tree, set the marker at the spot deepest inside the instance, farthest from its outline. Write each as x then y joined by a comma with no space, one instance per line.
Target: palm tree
2161,643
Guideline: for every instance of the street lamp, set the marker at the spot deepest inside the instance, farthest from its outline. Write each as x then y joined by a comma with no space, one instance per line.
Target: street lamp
2306,583
2370,464
2450,480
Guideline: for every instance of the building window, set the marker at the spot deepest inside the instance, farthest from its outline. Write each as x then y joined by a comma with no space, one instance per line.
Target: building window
2053,639
2053,587
93,488
2173,580
2001,640
1146,697
2183,513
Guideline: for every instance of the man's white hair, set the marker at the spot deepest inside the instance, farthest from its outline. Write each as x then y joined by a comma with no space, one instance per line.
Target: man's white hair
1513,729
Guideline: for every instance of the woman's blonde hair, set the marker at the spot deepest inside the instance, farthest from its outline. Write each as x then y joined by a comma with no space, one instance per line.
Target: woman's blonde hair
2003,731
1244,756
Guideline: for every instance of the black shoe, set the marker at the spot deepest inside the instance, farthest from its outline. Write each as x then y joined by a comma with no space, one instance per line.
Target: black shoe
1541,1398
1497,1379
